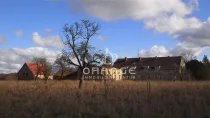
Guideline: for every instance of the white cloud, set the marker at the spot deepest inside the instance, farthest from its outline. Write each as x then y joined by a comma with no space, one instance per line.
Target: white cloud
182,47
131,9
164,16
19,33
101,38
156,50
48,41
11,60
2,39
177,50
199,37
172,24
195,40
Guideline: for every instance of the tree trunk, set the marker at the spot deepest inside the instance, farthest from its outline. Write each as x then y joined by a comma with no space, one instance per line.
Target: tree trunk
46,81
62,75
36,77
81,81
80,77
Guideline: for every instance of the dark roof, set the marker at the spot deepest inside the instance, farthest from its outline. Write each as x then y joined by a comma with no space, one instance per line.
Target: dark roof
65,73
165,62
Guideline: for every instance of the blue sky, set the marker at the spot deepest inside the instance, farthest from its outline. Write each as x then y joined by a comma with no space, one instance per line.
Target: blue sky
35,16
127,31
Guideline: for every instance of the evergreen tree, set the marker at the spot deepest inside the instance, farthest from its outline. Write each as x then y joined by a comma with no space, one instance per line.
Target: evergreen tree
206,60
198,70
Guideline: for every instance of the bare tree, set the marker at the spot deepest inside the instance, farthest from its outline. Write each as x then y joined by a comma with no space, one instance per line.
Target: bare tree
78,51
61,64
107,63
47,69
39,68
188,56
107,60
43,67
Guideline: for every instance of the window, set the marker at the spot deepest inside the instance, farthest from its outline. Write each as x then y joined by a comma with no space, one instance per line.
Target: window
157,67
146,67
23,73
26,74
142,68
152,68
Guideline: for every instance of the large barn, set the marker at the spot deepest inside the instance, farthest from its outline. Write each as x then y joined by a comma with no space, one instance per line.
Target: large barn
154,68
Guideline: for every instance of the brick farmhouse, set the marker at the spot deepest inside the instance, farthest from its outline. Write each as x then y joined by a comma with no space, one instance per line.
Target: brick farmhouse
153,68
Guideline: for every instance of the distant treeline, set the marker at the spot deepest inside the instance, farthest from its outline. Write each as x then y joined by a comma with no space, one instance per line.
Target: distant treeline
199,70
10,76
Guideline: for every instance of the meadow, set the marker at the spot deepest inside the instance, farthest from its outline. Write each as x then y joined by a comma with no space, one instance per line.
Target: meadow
121,99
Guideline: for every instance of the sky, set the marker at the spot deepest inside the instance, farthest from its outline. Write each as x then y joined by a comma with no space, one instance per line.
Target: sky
129,28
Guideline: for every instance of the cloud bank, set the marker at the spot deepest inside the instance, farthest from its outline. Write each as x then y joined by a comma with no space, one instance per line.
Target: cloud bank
11,60
172,17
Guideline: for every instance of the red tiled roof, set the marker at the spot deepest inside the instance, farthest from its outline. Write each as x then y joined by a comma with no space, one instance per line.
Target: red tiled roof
34,67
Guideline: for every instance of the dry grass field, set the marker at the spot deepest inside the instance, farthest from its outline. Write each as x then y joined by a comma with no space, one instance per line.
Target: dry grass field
123,99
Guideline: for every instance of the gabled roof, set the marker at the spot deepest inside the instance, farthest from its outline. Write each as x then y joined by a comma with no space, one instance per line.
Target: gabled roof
34,67
166,63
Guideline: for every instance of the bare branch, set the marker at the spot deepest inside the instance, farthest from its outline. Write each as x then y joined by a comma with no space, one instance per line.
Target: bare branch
188,56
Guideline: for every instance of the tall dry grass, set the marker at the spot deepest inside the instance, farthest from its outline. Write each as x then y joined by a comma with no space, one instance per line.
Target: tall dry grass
124,99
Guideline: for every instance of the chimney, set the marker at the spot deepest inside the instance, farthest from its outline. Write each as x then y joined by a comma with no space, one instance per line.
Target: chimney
155,57
139,58
126,59
168,56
